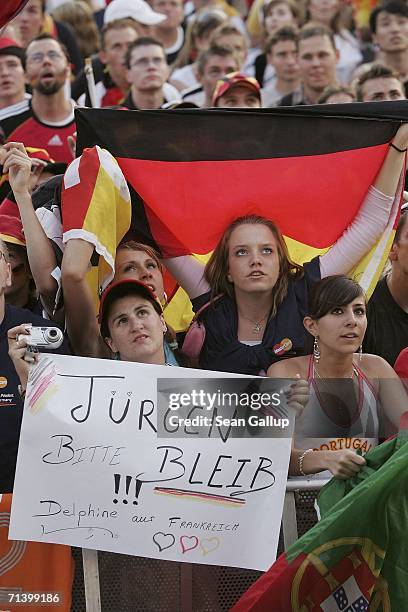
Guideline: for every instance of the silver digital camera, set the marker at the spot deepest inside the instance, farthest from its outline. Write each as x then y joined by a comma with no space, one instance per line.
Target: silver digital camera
43,338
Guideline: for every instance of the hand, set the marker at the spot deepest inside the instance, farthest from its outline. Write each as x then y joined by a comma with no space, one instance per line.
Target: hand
18,165
72,144
400,139
297,394
17,351
344,463
37,167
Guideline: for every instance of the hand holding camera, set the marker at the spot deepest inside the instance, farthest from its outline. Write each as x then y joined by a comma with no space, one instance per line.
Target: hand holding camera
24,343
38,338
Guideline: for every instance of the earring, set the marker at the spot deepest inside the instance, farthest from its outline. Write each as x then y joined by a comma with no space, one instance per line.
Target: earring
316,350
360,352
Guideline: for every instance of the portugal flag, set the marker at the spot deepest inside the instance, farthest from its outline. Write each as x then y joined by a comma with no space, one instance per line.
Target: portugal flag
355,559
192,172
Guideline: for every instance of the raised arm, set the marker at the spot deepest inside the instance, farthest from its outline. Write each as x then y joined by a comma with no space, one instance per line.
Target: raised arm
394,163
82,325
40,253
373,216
188,272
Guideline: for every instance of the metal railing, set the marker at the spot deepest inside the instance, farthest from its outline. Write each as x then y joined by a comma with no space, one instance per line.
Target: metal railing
219,587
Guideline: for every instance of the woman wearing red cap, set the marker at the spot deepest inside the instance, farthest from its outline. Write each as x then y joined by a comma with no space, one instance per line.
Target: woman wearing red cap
134,261
131,323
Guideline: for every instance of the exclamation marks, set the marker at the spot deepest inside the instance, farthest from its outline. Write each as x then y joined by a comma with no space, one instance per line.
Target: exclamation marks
137,491
128,482
117,483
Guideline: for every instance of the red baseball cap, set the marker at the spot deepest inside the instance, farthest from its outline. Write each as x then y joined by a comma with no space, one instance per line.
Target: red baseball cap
231,80
11,228
9,46
119,289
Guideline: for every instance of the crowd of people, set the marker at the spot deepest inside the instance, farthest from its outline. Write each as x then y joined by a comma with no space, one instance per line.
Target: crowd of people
148,56
250,294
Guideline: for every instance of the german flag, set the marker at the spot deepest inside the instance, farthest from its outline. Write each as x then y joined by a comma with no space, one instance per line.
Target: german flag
96,206
192,172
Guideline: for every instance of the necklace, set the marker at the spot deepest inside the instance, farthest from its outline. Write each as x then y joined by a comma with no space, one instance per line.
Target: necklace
257,325
353,374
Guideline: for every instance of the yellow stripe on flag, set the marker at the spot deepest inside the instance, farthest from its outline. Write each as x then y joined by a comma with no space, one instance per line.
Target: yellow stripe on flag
108,215
178,312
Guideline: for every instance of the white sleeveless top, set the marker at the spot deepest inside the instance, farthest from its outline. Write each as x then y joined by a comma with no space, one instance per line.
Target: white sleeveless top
330,424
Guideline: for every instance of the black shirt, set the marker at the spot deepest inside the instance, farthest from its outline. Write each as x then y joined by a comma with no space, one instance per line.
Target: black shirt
387,330
11,121
130,105
128,102
67,37
11,406
296,98
260,67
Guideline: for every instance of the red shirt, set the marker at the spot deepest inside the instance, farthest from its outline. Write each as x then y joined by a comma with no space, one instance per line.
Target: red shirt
54,138
401,366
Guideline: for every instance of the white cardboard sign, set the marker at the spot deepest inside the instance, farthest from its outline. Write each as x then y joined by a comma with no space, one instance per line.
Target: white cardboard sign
93,472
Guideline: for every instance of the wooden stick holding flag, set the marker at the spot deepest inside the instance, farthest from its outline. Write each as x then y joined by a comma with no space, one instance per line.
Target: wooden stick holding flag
90,81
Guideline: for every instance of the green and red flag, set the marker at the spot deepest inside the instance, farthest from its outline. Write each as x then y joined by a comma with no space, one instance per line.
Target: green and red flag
192,172
355,558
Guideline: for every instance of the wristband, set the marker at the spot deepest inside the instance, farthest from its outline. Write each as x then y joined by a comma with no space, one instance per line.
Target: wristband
302,456
397,149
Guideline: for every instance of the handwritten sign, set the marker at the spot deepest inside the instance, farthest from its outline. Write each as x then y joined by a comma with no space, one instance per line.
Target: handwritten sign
107,461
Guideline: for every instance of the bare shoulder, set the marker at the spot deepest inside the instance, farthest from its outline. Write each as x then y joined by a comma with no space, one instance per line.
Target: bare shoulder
288,368
375,366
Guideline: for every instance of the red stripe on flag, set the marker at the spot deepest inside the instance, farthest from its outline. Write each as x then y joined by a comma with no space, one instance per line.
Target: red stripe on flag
9,9
312,198
304,584
272,591
76,199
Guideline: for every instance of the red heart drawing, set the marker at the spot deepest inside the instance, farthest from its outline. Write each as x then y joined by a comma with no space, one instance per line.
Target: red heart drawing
188,543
